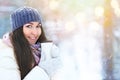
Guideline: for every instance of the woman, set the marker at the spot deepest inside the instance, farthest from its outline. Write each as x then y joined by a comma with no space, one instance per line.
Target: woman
25,52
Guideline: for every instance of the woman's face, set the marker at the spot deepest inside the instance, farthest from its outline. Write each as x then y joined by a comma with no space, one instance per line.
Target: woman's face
32,31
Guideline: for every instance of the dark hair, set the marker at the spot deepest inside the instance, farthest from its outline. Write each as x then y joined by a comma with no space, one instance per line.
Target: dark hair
22,50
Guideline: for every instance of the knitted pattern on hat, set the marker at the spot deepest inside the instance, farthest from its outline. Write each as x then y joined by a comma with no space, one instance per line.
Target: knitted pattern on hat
24,15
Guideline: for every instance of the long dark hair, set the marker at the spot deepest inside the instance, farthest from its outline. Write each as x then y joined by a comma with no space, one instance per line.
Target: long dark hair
22,50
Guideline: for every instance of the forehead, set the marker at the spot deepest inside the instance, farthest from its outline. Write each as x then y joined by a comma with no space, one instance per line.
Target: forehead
33,23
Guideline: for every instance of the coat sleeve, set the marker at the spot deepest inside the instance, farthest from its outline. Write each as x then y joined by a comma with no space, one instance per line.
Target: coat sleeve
37,73
9,74
9,69
8,66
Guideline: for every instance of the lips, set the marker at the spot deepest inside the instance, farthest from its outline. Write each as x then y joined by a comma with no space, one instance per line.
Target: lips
32,40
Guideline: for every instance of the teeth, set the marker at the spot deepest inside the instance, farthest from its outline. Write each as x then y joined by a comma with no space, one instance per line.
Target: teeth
32,38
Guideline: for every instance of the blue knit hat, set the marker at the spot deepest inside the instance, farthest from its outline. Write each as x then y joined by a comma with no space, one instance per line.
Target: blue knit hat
24,15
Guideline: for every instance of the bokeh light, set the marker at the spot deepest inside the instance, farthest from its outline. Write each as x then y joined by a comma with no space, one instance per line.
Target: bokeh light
81,29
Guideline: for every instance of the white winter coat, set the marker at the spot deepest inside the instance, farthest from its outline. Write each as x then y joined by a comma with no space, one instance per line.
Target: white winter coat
9,69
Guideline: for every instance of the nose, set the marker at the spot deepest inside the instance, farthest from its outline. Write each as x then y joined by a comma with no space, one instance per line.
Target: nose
34,31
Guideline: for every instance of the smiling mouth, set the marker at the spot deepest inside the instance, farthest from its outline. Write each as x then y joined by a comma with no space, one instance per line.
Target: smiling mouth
33,39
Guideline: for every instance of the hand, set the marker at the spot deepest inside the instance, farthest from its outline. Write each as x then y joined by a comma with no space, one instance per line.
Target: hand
50,59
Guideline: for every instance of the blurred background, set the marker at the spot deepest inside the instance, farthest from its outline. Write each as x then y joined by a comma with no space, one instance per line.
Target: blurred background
86,31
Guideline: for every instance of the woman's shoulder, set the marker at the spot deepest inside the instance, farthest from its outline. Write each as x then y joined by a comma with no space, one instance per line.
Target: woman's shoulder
8,63
2,44
5,50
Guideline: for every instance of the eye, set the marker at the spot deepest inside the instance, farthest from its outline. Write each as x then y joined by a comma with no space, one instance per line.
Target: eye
29,26
39,25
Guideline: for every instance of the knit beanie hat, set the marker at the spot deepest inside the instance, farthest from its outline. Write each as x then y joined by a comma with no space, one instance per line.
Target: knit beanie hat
24,15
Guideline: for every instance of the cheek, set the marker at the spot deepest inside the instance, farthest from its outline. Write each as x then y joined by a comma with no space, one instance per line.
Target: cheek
26,32
39,32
